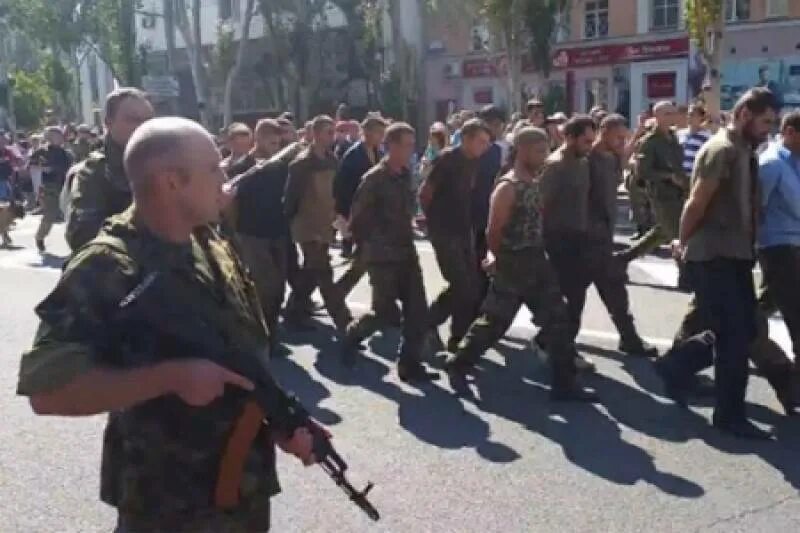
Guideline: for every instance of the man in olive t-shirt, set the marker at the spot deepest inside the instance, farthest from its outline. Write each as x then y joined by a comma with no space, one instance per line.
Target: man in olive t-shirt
717,243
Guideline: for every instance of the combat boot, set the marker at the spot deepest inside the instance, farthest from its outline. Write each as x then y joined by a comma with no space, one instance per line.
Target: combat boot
410,371
677,368
630,343
565,387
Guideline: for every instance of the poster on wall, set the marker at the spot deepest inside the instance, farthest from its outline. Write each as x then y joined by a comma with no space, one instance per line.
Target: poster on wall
780,75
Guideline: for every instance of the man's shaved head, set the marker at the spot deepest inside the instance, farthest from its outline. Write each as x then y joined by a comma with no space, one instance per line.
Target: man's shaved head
665,114
174,168
160,145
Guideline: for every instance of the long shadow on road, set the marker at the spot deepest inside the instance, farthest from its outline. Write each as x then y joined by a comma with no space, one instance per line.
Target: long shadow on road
589,438
666,420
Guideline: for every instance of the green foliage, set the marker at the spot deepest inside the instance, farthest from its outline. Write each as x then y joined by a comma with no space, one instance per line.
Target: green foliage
540,21
67,25
223,56
56,76
700,17
31,98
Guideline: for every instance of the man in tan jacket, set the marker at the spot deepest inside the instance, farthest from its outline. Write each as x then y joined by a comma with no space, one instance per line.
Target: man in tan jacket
309,208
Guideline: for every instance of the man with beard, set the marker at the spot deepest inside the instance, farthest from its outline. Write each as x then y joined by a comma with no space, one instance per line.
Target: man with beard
522,274
98,187
717,234
565,185
309,208
381,223
445,197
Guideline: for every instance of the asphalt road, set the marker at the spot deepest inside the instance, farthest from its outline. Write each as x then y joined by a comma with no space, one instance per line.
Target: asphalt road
510,461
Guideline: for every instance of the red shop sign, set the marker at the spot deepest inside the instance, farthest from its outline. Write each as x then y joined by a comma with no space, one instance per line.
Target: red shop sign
483,96
484,67
661,85
620,53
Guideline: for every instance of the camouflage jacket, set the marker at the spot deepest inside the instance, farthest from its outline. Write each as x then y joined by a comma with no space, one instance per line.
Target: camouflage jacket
160,457
381,214
660,157
94,190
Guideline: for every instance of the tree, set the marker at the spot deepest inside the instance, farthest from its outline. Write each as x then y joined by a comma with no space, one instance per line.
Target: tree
32,97
705,20
241,53
521,26
191,32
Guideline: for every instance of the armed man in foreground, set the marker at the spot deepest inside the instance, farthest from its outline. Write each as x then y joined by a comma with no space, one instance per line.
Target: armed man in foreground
522,274
173,418
97,187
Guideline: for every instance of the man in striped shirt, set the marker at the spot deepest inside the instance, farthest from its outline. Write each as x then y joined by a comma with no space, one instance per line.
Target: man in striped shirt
693,137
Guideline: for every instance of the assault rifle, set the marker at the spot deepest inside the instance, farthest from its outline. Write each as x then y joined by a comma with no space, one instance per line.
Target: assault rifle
162,308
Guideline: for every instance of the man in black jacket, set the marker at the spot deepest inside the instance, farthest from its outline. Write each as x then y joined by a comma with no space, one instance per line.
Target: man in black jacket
361,157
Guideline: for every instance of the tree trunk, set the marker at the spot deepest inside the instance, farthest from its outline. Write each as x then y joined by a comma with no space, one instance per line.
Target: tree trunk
192,38
399,50
127,24
241,53
713,58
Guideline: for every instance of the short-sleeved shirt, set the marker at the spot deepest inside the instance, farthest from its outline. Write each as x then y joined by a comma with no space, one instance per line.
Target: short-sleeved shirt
57,161
727,229
452,177
160,457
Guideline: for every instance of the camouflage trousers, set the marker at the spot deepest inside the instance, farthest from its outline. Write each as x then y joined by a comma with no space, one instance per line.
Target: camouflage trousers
579,263
212,521
524,278
456,259
51,211
353,275
317,273
391,282
266,261
641,210
667,201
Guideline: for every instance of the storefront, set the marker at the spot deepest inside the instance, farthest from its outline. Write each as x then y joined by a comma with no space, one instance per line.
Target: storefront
624,78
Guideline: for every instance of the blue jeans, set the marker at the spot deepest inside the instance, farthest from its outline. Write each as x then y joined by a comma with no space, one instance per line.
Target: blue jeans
725,301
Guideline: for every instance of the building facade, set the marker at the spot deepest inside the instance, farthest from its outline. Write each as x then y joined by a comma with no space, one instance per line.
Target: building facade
621,54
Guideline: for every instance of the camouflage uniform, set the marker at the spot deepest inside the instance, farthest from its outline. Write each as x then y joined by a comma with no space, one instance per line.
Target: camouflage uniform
659,159
641,212
58,160
95,189
524,276
80,149
381,217
160,457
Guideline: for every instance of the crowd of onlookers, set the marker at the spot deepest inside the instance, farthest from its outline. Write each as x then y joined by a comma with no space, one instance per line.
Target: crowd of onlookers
31,162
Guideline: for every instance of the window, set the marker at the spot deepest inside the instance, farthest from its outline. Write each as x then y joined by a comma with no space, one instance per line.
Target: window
596,93
665,14
479,37
229,9
737,10
562,26
777,8
596,19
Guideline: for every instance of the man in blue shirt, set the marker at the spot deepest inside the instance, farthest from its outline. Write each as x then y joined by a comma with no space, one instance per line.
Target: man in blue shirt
779,231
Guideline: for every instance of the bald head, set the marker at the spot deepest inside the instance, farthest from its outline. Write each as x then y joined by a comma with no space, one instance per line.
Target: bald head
160,146
665,114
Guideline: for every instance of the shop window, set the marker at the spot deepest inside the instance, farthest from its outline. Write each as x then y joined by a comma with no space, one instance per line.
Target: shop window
777,8
595,19
665,14
737,10
596,93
